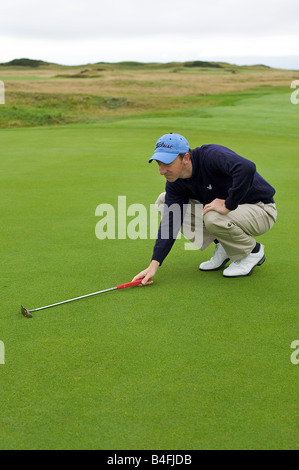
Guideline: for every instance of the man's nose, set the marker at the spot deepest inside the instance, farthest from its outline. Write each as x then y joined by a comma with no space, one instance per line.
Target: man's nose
162,169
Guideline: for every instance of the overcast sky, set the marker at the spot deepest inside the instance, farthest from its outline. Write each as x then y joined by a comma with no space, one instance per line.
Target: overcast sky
74,32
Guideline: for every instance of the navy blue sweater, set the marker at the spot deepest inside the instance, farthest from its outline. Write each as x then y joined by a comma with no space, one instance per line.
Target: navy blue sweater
217,172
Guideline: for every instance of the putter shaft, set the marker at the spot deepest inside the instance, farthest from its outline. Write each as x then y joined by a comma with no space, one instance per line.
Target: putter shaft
27,312
71,300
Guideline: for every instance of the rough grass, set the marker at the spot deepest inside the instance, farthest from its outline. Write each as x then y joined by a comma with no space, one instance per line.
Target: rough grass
50,94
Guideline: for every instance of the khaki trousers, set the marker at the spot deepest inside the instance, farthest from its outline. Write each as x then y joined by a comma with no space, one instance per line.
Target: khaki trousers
235,231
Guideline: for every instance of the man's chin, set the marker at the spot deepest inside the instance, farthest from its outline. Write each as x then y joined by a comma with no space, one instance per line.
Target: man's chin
171,179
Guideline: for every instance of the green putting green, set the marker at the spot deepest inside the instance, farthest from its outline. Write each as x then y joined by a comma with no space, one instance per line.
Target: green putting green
194,361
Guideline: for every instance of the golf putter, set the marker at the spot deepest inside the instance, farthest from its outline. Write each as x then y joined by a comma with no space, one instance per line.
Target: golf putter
28,313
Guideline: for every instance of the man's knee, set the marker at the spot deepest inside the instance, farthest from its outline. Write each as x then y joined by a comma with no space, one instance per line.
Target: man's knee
160,203
213,221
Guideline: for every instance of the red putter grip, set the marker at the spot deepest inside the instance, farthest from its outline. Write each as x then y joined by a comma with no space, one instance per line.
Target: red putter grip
131,284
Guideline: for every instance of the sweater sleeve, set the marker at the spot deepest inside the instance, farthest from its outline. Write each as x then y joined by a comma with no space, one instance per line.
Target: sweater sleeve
240,169
172,219
242,173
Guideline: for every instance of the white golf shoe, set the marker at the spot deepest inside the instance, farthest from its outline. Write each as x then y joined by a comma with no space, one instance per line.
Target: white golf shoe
245,266
218,260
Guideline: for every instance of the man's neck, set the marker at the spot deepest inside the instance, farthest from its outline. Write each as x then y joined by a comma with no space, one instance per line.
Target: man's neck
188,171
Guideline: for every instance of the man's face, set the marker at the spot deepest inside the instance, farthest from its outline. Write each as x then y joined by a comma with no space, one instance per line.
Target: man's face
171,171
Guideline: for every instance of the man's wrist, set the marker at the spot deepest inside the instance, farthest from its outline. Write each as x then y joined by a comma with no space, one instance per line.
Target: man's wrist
154,263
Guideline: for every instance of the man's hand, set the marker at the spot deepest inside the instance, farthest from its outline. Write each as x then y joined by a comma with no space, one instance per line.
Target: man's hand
148,273
218,205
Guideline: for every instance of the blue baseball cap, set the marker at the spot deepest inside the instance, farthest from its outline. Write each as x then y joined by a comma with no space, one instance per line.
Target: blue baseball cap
168,147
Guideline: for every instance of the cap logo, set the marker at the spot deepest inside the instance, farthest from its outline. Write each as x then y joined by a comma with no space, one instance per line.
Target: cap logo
162,145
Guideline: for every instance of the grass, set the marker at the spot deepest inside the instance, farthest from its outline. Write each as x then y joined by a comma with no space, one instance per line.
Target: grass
49,94
195,361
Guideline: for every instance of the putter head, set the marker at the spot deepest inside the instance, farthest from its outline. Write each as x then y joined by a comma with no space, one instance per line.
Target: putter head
25,312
